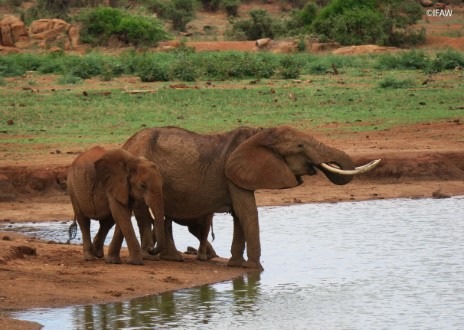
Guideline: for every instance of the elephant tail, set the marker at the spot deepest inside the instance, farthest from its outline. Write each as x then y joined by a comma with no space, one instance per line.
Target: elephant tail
72,231
212,232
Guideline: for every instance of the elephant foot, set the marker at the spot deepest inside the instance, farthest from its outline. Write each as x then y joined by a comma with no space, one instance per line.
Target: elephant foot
253,264
176,256
89,256
146,255
206,256
113,260
135,261
236,262
99,254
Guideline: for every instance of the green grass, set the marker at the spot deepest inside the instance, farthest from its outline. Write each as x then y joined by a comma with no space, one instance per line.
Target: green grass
354,98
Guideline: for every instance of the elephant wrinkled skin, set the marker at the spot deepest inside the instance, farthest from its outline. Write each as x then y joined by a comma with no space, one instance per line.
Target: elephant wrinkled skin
108,186
205,174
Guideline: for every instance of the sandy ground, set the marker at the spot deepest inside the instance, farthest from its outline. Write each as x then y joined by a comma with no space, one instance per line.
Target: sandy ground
421,160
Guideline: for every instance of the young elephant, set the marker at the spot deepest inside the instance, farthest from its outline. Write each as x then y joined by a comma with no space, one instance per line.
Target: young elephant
108,186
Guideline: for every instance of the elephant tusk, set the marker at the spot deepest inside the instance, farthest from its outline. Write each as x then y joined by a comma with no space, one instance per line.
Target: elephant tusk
357,170
151,213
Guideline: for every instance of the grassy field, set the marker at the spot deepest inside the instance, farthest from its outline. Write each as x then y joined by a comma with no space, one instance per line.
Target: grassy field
367,94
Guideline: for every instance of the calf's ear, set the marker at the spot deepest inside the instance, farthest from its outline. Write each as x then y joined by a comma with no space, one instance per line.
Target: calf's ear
112,171
253,165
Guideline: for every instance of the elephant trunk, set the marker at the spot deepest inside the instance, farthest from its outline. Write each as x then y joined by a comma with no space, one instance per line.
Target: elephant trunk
326,159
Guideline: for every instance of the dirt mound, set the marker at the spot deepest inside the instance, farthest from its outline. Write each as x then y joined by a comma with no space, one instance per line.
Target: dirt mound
364,49
14,250
418,166
20,180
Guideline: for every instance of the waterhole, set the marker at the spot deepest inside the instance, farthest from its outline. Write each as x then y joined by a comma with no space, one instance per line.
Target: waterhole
385,264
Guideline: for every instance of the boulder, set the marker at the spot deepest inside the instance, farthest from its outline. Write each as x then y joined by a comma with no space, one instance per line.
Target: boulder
54,33
426,3
260,43
12,30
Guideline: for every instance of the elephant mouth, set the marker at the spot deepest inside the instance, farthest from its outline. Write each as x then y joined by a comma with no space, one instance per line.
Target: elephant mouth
310,169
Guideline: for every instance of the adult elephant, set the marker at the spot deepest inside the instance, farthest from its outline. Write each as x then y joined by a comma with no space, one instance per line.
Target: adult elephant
205,174
108,186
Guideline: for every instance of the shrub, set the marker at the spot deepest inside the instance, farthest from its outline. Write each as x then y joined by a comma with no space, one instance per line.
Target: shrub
259,26
150,70
445,60
180,12
231,7
413,59
290,68
84,67
69,79
391,82
370,21
303,18
139,30
9,67
399,17
100,24
47,9
210,5
183,69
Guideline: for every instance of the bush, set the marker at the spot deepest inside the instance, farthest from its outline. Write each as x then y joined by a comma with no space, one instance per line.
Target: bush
447,60
259,26
290,68
183,70
100,24
210,5
413,59
47,9
179,12
151,71
231,7
69,79
139,30
369,21
391,82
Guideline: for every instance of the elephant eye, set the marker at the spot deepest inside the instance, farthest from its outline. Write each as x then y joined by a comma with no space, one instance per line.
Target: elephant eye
143,185
300,145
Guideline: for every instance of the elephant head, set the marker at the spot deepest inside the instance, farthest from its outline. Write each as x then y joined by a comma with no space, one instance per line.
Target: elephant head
132,183
277,158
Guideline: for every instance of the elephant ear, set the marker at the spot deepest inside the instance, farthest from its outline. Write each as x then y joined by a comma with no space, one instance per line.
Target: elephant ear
112,170
253,165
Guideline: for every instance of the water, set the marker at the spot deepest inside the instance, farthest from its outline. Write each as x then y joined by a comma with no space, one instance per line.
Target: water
386,264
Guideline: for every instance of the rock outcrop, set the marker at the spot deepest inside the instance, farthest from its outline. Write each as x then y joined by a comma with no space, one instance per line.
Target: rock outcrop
44,33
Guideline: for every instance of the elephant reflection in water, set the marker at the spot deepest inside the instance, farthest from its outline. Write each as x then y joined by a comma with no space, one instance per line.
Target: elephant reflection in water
205,174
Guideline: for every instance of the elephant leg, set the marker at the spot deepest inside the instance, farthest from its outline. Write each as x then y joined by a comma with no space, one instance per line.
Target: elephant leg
144,222
245,209
238,245
114,249
99,239
201,231
170,251
122,217
84,225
